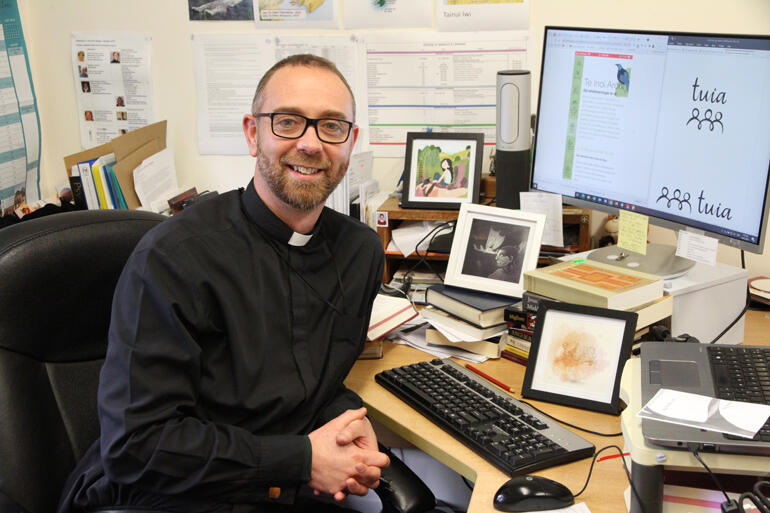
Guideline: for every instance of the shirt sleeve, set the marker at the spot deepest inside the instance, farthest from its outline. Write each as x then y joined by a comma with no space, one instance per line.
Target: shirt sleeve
152,436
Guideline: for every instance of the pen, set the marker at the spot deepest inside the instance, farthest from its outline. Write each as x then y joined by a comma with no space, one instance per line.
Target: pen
488,377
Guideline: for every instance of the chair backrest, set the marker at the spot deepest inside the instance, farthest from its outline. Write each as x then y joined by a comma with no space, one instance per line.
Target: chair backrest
57,277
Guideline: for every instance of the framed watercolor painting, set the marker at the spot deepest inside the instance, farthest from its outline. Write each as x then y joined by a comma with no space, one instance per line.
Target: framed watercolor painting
577,356
442,170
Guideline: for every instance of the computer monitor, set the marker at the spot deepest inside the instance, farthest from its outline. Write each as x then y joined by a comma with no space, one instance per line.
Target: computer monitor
675,126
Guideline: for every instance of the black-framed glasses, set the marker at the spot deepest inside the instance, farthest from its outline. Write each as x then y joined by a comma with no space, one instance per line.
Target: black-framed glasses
293,126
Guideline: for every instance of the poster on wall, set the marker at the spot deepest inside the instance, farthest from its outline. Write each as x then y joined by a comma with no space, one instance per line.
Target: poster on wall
19,121
309,14
220,10
435,82
113,84
464,15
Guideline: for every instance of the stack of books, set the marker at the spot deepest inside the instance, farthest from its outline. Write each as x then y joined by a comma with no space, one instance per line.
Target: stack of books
466,319
584,283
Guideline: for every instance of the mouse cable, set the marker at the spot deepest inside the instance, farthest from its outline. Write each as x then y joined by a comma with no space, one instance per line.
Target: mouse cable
609,435
693,447
625,468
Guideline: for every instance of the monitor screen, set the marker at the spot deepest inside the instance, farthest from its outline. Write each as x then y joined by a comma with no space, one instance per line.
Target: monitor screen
671,125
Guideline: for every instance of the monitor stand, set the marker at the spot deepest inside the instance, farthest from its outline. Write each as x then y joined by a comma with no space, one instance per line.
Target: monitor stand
660,260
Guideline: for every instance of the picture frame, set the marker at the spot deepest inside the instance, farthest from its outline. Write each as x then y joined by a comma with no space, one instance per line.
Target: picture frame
493,247
442,170
577,356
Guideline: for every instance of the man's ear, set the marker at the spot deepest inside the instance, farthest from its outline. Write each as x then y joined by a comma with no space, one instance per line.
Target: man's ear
250,131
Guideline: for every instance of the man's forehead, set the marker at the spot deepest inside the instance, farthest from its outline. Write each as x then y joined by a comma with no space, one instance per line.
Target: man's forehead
281,88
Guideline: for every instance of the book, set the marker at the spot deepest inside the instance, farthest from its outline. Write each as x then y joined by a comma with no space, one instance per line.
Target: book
76,186
490,348
107,197
89,187
518,317
531,301
372,350
654,311
116,186
388,313
463,329
511,341
479,308
514,357
594,284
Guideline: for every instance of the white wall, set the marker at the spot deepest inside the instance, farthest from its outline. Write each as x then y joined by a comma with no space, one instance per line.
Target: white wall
48,25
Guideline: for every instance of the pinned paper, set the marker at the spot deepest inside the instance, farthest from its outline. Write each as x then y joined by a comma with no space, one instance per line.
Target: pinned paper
632,231
697,247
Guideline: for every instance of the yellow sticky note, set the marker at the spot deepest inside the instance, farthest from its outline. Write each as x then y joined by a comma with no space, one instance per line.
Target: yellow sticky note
632,231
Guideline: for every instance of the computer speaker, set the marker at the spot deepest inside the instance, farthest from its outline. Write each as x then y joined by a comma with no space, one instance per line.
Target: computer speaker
514,139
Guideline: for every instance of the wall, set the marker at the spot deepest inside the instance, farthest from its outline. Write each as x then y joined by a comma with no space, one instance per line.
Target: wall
48,25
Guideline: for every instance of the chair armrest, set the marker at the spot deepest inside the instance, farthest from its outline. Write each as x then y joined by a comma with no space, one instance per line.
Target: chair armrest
401,490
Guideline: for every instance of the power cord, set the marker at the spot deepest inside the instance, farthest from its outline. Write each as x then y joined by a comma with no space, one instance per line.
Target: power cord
729,505
609,435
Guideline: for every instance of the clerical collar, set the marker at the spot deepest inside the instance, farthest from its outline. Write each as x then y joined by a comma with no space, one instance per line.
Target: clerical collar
262,216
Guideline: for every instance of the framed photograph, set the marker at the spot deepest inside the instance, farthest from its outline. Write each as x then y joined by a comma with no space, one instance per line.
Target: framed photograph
577,356
492,247
442,170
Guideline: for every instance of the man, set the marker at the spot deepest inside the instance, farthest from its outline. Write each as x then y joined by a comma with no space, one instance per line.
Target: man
234,324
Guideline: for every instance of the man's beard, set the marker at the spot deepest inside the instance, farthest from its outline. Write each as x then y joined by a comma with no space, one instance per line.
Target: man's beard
300,194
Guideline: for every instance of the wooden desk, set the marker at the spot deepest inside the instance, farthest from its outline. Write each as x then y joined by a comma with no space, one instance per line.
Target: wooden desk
608,481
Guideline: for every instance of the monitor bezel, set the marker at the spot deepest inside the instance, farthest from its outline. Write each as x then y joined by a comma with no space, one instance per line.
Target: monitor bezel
653,219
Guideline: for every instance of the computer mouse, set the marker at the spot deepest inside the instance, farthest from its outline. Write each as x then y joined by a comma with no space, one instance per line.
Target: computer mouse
532,493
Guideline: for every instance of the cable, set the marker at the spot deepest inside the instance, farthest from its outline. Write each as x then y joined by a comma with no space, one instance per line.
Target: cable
694,449
423,257
625,468
609,435
745,307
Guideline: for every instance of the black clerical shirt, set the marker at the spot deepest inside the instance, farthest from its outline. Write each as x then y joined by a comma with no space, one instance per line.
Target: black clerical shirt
229,341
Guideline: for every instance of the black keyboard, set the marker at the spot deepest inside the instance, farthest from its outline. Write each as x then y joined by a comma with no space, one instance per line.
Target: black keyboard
506,432
742,374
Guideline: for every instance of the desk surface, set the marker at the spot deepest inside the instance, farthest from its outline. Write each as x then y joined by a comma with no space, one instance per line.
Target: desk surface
608,481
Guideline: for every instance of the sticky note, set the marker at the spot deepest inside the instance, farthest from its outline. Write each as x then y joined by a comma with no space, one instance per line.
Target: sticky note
632,231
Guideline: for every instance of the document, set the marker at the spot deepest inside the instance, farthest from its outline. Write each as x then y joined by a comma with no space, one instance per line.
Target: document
434,82
699,248
550,205
216,10
113,84
703,412
227,68
155,179
632,231
463,15
19,122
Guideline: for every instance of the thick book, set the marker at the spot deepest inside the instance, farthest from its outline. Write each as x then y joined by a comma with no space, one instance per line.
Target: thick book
388,313
479,308
490,348
89,187
463,329
594,284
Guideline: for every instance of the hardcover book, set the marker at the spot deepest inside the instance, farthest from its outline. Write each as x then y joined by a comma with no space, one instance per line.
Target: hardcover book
388,313
479,308
594,284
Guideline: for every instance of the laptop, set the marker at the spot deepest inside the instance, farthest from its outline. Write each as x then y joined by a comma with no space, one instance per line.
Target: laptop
687,367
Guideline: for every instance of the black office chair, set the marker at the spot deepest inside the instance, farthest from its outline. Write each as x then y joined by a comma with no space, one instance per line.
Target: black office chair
57,277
